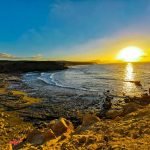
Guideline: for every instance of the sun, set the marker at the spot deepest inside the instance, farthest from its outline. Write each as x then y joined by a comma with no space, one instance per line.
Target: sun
130,54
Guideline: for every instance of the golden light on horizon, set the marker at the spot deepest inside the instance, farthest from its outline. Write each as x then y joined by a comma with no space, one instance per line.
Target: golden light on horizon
130,54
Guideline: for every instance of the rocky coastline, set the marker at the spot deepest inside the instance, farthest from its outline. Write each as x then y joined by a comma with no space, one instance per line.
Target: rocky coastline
69,124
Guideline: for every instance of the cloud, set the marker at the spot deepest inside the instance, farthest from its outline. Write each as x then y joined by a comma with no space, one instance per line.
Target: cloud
36,57
5,56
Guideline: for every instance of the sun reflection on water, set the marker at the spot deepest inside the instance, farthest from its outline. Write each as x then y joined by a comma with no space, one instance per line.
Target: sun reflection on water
129,76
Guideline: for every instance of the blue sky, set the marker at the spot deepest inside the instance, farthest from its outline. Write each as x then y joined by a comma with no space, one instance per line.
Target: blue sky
59,29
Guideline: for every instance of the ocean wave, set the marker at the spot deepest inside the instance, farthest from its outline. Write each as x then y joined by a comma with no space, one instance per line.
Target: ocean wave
47,78
50,79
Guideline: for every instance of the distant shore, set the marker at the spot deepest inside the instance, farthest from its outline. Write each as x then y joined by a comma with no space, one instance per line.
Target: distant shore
29,66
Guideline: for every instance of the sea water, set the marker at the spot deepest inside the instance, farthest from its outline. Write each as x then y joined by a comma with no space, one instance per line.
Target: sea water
118,78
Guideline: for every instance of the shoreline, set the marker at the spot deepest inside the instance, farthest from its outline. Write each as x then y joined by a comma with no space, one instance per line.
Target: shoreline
54,102
25,108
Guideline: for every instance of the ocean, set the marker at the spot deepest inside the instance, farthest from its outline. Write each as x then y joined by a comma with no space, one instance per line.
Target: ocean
118,78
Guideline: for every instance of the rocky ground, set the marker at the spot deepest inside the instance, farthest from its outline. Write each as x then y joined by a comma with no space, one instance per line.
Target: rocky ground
125,127
130,132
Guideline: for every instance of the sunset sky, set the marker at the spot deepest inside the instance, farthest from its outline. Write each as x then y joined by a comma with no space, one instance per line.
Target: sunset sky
73,29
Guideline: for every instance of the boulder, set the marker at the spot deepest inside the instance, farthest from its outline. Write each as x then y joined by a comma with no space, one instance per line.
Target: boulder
113,113
48,134
37,137
89,119
60,126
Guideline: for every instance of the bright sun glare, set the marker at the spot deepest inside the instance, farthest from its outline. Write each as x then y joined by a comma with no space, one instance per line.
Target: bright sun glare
130,54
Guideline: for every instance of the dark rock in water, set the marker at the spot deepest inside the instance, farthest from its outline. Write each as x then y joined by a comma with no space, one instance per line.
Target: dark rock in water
137,83
29,66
